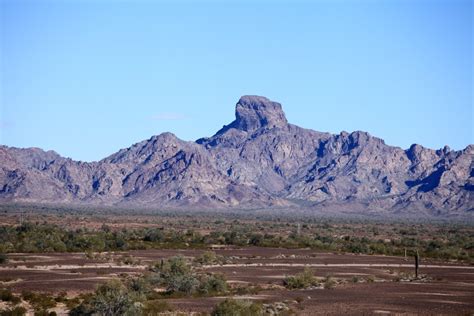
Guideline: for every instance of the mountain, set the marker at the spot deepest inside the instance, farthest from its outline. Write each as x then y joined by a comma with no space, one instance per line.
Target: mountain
259,160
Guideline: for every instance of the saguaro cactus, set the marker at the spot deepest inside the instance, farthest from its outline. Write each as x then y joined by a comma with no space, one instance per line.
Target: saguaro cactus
417,263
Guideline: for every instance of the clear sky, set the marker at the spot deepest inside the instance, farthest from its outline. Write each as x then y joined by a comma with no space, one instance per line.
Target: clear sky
86,78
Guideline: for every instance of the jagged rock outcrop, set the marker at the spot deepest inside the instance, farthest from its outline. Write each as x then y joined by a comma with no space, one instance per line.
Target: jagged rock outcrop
254,112
258,160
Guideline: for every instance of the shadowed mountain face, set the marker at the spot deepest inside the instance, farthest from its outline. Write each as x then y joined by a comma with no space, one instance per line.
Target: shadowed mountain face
258,160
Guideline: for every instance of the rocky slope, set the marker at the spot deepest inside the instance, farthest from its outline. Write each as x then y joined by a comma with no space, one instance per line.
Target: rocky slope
258,160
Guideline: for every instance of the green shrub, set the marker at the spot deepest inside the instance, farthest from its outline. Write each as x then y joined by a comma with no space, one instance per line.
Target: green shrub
215,283
6,295
301,280
15,311
156,307
128,260
329,283
82,309
246,290
176,266
178,283
177,275
72,302
40,302
232,307
111,299
61,297
3,258
140,287
153,235
207,258
27,295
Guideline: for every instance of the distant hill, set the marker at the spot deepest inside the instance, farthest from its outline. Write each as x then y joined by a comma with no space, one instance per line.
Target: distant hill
258,160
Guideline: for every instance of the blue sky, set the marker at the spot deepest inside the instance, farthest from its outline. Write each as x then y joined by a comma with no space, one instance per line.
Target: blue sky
87,78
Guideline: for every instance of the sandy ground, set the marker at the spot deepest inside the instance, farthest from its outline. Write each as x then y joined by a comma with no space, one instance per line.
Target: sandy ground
448,287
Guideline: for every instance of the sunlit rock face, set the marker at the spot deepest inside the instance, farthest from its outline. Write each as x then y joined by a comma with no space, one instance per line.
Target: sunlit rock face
258,160
254,112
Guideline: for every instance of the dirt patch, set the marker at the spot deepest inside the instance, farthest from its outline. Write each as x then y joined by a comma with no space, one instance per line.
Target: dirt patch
366,284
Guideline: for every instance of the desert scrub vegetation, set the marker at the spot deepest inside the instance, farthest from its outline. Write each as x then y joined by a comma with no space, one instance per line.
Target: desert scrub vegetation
448,241
143,295
209,258
111,298
13,311
178,277
3,258
329,282
156,307
40,302
233,307
147,294
6,295
239,307
11,304
301,280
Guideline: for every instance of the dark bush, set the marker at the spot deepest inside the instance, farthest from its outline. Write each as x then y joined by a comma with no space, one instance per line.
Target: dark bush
15,311
40,302
6,295
153,235
215,283
3,258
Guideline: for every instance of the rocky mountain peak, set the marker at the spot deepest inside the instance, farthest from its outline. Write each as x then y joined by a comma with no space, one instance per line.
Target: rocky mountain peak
253,112
258,160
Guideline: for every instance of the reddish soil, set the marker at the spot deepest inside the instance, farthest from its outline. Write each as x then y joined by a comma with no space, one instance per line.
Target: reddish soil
448,287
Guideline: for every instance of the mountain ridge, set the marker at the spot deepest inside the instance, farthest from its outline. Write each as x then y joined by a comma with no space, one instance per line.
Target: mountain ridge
257,160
